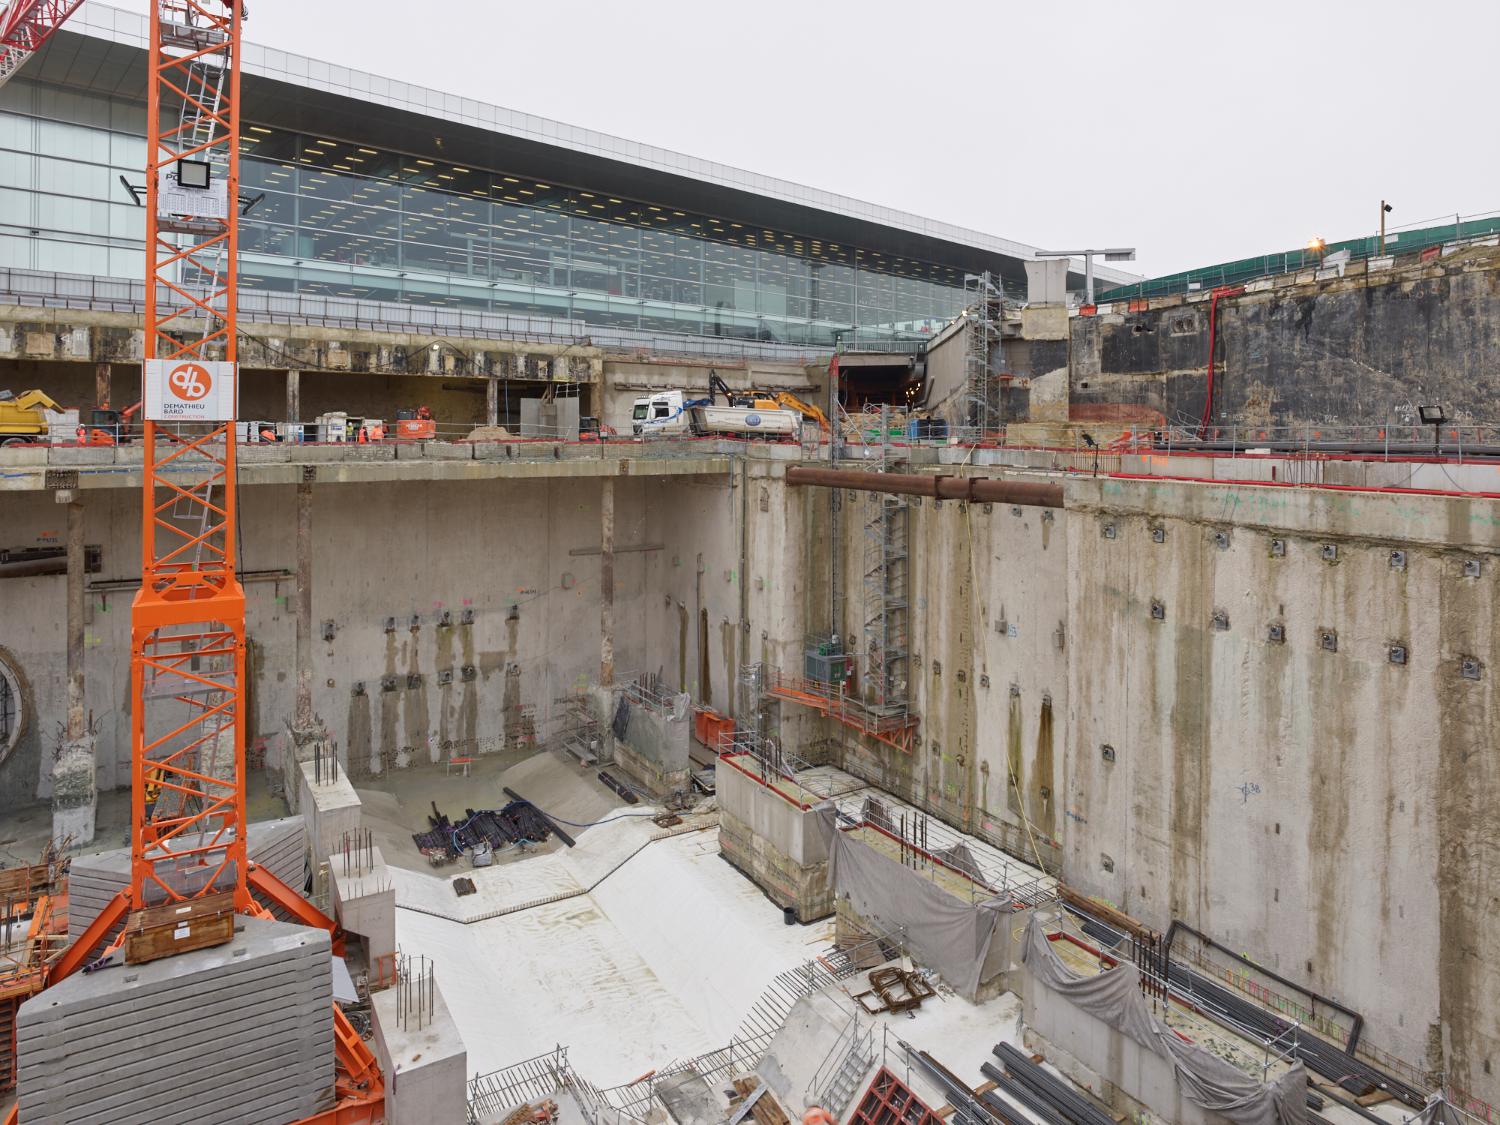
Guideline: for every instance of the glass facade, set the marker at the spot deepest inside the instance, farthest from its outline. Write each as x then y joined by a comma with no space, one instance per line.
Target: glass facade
348,220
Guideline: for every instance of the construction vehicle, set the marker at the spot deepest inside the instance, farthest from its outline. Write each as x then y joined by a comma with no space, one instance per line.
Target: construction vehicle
590,429
108,427
671,412
415,425
28,417
788,401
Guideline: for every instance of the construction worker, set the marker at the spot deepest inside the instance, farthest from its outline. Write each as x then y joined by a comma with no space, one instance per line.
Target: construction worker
153,789
817,1115
377,432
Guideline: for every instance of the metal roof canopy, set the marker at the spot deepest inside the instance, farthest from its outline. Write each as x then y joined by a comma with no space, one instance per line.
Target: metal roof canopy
102,49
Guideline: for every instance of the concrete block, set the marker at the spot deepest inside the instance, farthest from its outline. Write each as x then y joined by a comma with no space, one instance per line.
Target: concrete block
364,899
494,451
322,454
240,1032
331,808
22,456
131,455
67,456
425,1066
445,451
1044,322
280,846
266,453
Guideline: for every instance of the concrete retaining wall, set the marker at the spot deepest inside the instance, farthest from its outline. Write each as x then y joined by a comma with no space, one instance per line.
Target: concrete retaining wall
1361,786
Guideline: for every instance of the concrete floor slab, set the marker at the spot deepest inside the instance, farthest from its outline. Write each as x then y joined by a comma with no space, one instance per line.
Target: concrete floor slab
660,961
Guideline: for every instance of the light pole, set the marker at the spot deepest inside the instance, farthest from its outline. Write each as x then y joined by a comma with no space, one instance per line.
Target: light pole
1385,209
1126,254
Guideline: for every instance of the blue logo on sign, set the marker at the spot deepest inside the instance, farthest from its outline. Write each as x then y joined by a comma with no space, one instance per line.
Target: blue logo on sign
752,419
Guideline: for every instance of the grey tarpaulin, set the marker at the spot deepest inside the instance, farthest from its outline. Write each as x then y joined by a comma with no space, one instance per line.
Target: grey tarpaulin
1205,1079
621,722
944,932
1438,1111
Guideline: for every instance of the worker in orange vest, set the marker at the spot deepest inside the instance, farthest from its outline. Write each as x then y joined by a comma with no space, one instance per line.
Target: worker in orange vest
817,1115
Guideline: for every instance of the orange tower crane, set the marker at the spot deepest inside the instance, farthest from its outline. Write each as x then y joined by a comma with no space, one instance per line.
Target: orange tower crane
187,666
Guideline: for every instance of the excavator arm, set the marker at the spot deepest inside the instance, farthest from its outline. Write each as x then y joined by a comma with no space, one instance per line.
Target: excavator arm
806,409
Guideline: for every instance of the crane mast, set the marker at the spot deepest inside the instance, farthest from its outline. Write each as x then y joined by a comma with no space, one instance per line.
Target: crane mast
188,620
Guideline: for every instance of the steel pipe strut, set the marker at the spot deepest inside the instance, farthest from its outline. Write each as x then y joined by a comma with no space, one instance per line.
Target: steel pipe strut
984,490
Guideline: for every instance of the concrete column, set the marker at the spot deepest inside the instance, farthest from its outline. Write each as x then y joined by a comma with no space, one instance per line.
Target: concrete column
76,724
293,395
492,402
607,584
101,384
304,712
74,792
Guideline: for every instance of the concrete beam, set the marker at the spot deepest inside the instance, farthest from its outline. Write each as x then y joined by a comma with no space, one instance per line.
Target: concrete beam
304,709
293,395
607,584
75,794
26,468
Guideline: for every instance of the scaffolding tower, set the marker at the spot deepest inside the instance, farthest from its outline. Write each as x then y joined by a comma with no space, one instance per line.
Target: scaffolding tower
983,300
886,572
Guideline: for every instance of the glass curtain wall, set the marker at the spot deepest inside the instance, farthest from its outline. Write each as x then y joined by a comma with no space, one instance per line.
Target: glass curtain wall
346,220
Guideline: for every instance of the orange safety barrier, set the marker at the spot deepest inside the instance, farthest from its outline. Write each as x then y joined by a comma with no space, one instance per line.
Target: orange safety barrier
712,728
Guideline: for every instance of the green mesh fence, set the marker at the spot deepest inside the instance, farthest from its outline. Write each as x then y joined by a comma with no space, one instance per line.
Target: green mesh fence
1266,265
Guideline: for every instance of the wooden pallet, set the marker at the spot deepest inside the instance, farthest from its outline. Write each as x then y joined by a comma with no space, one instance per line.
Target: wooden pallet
766,1110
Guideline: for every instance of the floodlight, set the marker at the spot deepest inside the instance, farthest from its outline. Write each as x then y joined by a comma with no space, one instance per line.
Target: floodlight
192,173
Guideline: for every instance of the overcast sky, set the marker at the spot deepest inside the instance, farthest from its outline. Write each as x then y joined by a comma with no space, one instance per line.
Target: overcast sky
1197,132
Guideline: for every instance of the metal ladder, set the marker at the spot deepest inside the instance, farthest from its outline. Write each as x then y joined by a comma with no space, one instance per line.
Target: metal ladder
192,513
849,1058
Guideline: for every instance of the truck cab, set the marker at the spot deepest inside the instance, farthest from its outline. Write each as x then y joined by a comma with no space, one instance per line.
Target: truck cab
660,413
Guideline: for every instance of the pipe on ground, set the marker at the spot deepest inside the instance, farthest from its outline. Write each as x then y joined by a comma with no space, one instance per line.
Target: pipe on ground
984,490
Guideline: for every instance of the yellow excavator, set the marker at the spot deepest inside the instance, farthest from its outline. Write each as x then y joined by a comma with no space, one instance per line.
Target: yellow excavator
769,400
23,417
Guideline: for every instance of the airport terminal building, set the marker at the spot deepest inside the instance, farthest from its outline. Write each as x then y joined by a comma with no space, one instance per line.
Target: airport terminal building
367,189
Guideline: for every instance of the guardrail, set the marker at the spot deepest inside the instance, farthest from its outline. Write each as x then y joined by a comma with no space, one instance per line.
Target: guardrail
1404,241
80,291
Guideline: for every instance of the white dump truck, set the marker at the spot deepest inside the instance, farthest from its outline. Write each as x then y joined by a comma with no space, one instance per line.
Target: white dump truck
722,412
671,412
